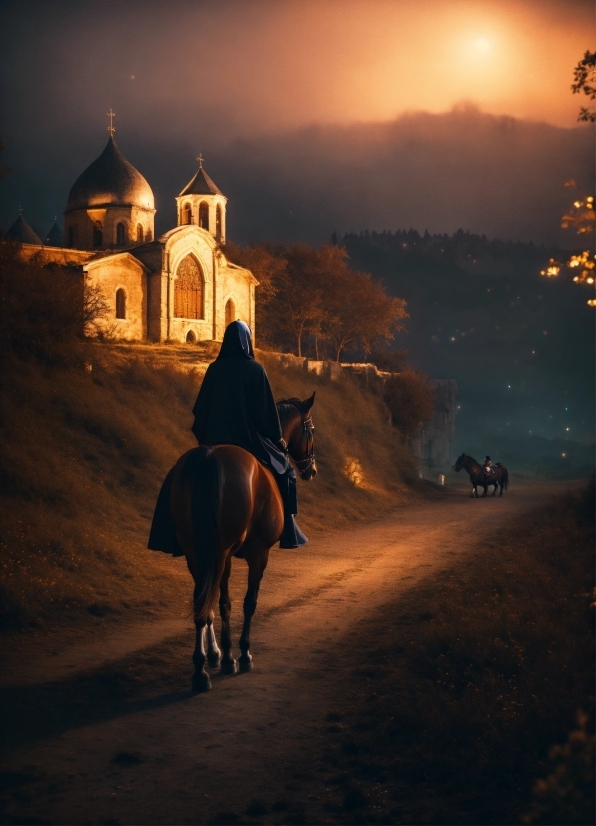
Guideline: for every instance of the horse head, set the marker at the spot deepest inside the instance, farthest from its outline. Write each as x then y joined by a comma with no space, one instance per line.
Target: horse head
297,428
460,463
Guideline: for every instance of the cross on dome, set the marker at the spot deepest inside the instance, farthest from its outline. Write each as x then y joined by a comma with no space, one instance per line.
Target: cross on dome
200,159
111,127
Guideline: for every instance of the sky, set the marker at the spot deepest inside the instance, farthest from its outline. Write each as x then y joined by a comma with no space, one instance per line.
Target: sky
229,76
314,116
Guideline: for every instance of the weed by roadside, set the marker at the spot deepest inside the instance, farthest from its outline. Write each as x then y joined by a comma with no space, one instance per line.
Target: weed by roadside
463,687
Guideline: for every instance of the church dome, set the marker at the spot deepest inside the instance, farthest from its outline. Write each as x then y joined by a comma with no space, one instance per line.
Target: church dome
21,231
110,181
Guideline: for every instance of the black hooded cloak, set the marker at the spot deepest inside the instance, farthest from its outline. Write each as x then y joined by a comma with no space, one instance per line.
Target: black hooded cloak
235,405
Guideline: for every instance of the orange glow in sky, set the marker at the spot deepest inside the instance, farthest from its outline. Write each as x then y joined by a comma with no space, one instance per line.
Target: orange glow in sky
361,60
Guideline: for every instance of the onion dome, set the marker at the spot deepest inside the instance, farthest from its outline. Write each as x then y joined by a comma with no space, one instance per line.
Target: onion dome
201,184
110,181
54,238
21,231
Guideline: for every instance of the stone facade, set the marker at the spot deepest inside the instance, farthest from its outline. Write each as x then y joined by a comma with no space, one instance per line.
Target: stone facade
82,227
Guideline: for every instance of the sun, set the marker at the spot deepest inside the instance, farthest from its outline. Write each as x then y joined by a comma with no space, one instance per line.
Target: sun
482,45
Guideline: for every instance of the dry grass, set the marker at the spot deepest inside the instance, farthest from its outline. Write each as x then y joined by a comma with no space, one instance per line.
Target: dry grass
473,677
85,454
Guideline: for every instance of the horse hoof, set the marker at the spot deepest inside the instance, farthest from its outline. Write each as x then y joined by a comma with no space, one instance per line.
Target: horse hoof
214,660
229,667
201,683
245,662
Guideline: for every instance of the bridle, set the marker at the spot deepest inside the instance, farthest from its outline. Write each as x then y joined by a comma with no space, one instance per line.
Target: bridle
307,425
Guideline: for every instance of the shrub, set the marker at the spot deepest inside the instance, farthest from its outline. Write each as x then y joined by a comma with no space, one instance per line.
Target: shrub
409,397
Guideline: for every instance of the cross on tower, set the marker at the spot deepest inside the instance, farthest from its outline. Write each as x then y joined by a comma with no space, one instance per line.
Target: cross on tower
20,209
111,127
200,160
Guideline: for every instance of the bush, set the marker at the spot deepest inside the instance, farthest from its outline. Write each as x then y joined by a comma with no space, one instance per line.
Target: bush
409,397
45,310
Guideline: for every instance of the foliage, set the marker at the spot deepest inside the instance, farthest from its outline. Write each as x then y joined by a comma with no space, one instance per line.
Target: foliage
409,397
310,300
584,77
45,310
452,710
567,794
582,218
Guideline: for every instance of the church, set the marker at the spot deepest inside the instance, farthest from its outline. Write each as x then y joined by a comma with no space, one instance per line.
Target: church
178,287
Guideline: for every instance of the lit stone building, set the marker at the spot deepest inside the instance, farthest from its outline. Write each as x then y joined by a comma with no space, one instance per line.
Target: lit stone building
178,287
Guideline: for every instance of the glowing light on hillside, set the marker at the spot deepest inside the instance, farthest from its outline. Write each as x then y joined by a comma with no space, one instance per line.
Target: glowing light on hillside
482,45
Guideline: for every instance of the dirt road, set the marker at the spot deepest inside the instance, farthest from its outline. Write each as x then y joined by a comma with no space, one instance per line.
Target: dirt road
107,731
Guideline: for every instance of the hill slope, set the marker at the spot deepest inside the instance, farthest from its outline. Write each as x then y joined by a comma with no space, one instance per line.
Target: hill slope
87,452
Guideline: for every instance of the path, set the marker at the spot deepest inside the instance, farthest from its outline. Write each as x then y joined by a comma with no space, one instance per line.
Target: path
174,757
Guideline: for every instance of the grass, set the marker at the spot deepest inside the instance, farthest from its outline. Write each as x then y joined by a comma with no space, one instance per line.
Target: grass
452,711
86,452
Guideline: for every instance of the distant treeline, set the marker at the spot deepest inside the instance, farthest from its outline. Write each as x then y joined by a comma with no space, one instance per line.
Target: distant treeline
463,249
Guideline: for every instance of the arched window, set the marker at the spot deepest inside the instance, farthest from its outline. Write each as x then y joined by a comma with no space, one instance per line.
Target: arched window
218,222
119,233
230,311
190,337
97,234
140,234
149,236
187,214
204,215
71,236
188,290
120,303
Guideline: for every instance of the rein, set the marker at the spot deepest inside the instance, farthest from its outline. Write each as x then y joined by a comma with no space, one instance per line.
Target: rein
307,426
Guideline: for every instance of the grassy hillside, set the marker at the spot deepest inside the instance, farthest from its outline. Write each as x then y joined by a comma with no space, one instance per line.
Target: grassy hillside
86,452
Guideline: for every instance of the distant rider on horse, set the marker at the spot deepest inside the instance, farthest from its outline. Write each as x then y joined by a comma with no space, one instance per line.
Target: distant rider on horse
487,466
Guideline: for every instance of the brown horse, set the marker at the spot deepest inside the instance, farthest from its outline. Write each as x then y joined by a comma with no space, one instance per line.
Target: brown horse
498,475
225,503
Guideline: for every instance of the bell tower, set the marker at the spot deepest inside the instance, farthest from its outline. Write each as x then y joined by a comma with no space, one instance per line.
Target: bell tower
203,204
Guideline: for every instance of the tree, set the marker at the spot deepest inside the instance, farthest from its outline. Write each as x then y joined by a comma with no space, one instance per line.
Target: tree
410,400
582,218
584,76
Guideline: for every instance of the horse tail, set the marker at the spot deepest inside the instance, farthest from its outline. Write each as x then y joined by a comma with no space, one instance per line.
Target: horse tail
505,473
205,476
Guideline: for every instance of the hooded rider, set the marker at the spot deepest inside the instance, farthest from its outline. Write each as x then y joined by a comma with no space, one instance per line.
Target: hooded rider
235,406
486,467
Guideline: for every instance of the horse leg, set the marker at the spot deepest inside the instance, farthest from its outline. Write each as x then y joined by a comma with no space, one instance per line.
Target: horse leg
256,567
200,679
485,486
501,484
228,663
213,652
496,484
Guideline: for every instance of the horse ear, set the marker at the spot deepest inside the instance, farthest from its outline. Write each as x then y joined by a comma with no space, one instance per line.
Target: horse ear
308,403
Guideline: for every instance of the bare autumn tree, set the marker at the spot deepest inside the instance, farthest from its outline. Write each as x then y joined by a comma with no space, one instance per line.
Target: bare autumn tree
360,314
311,294
268,267
46,310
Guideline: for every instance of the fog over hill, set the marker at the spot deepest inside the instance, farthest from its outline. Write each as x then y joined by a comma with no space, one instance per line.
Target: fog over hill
462,169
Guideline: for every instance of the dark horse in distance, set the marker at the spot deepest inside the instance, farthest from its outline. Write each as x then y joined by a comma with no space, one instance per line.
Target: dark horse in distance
497,476
226,504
